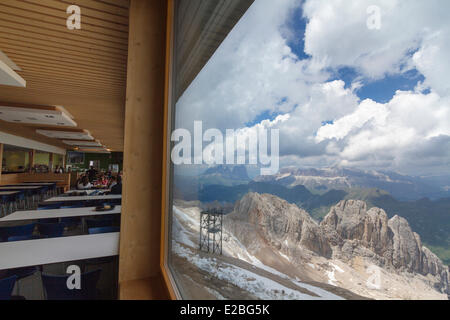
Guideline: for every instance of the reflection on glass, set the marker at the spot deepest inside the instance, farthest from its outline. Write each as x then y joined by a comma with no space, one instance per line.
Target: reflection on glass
353,116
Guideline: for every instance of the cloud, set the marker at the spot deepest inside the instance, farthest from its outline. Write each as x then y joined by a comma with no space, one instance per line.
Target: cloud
255,72
432,60
337,33
393,131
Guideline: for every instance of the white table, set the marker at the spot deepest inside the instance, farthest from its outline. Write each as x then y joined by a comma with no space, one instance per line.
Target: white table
55,250
32,184
8,193
84,198
21,188
58,213
88,191
47,180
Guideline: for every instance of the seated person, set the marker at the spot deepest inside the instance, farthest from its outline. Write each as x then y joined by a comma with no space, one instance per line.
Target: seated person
84,183
112,182
117,188
59,169
103,180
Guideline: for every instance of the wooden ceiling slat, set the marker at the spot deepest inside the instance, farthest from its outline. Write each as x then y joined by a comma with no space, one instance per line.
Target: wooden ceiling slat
56,56
61,22
36,83
67,65
71,101
85,12
58,13
43,89
64,48
62,75
79,73
26,36
84,71
70,84
116,10
81,35
31,31
54,89
119,3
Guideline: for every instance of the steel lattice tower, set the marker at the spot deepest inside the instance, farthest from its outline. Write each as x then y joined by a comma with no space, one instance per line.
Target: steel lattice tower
211,231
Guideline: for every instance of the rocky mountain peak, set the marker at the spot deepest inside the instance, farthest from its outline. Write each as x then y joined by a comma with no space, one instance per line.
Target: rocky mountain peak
278,222
349,230
392,240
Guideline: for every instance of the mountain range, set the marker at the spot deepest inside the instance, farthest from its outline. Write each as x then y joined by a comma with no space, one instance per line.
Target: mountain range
350,233
324,188
401,187
272,249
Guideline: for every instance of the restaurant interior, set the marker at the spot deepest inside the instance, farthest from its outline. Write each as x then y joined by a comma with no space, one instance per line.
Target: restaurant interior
85,116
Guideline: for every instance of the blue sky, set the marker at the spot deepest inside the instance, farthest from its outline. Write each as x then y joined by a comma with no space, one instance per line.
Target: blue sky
380,90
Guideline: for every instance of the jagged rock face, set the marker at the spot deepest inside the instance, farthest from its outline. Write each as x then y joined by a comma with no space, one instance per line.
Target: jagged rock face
277,222
431,264
406,250
350,220
349,225
349,230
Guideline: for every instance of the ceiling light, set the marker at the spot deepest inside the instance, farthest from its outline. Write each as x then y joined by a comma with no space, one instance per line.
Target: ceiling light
36,116
73,135
82,143
8,74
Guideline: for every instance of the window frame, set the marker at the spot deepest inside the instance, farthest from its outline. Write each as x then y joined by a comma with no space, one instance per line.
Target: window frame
167,174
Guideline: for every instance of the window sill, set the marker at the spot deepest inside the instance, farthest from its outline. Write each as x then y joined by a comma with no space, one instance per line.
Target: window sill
153,288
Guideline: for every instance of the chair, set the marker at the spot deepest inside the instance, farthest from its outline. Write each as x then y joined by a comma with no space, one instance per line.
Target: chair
20,238
71,222
50,206
103,230
6,287
8,203
51,230
72,206
99,223
49,220
21,202
24,272
24,230
56,287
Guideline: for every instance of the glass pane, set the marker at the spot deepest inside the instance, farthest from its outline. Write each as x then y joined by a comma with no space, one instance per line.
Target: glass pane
310,150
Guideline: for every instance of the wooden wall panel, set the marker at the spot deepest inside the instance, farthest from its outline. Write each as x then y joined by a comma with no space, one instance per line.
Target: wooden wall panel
10,178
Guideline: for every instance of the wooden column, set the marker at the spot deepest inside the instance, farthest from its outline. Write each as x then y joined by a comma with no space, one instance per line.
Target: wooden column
32,153
50,162
1,161
139,260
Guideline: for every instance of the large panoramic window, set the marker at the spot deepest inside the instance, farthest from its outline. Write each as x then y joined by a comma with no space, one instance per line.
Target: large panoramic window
310,150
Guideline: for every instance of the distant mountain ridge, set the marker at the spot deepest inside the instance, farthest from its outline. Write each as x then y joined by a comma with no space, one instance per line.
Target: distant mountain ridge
238,172
401,187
